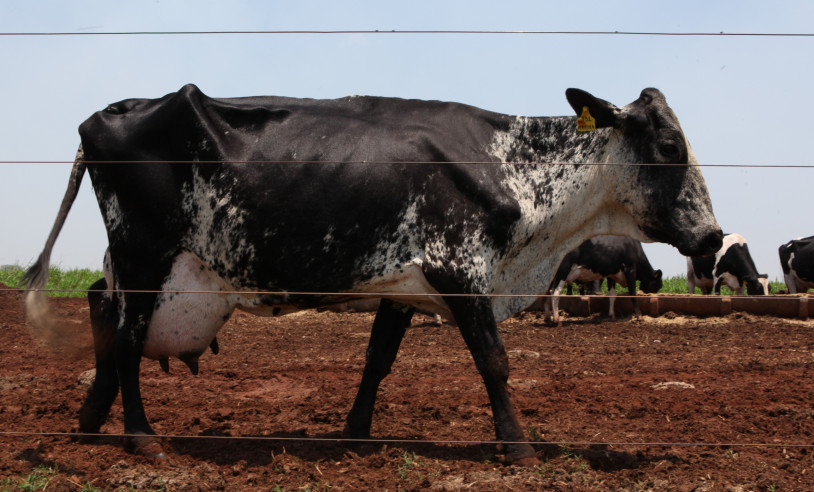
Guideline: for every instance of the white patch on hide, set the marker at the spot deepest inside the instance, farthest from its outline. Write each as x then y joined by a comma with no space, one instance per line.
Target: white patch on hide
112,212
405,277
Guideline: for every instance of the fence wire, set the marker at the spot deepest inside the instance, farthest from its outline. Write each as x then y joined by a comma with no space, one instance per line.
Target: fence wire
411,32
375,295
374,162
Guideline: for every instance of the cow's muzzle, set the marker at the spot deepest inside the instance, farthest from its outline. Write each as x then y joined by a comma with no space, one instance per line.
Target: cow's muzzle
704,245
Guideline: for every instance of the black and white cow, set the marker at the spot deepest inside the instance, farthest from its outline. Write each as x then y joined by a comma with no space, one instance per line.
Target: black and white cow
616,258
262,201
797,260
732,264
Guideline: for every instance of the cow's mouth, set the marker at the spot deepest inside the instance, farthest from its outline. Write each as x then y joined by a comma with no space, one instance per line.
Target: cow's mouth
707,244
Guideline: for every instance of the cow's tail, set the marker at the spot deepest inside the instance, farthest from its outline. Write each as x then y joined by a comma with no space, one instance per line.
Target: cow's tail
36,302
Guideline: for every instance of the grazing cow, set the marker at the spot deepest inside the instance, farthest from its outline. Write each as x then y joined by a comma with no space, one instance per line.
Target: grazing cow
797,260
617,258
732,264
273,204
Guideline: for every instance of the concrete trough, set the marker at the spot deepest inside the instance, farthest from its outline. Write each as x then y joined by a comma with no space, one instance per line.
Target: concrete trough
784,306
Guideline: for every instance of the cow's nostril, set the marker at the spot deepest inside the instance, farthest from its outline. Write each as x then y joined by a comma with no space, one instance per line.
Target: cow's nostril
712,242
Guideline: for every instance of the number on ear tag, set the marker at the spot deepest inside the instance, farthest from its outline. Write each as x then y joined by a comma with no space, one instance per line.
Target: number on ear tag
586,122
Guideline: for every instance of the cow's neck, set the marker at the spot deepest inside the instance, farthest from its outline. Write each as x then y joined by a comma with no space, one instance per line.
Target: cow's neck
564,199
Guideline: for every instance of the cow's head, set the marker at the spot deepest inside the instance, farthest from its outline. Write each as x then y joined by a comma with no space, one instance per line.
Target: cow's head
651,283
757,286
659,183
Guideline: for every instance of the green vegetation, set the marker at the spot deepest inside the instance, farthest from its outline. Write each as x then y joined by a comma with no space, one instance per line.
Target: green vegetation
64,283
42,477
39,479
410,463
72,283
678,285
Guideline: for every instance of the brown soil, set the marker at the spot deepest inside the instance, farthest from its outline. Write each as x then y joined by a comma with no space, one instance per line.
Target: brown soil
666,403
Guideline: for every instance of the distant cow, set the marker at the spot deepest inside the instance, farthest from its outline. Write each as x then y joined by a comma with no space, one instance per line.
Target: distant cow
797,260
732,264
274,204
617,258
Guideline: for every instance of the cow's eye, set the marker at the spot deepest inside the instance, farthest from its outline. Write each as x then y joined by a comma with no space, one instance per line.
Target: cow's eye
669,151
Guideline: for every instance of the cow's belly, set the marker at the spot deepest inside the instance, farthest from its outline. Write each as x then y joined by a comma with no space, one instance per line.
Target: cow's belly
703,282
797,279
185,323
187,315
731,281
584,275
407,285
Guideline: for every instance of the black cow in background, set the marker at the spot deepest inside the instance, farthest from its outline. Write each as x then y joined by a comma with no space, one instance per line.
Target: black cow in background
616,258
797,261
732,264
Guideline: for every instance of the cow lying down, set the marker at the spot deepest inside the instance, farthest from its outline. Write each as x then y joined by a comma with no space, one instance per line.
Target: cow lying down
272,205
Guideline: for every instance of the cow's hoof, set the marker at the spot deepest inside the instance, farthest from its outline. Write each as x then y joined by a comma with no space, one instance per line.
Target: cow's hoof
522,455
148,446
90,422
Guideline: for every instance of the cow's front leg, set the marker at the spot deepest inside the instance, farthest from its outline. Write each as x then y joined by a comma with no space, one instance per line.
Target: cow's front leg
479,330
105,386
392,320
611,298
630,278
552,304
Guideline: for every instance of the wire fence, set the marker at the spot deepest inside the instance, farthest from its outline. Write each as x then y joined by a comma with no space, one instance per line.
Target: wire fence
375,162
410,32
377,32
375,295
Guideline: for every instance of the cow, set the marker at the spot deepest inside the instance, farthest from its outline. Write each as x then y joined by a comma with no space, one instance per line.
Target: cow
797,260
273,204
732,264
616,258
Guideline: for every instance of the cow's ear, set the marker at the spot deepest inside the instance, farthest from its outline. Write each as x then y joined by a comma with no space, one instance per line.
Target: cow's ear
605,113
657,274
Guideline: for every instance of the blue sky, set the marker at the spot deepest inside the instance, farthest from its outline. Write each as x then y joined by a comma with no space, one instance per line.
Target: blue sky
740,100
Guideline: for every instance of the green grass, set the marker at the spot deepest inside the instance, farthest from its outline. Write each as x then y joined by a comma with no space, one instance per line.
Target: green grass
39,479
678,285
64,283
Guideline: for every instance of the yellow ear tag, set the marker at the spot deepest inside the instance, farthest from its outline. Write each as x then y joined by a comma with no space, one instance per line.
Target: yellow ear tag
586,122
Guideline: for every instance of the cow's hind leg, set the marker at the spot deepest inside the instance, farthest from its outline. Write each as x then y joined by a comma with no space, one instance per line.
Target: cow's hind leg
128,346
392,320
477,324
105,386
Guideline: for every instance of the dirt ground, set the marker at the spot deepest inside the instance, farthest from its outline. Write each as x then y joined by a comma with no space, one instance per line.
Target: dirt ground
666,403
